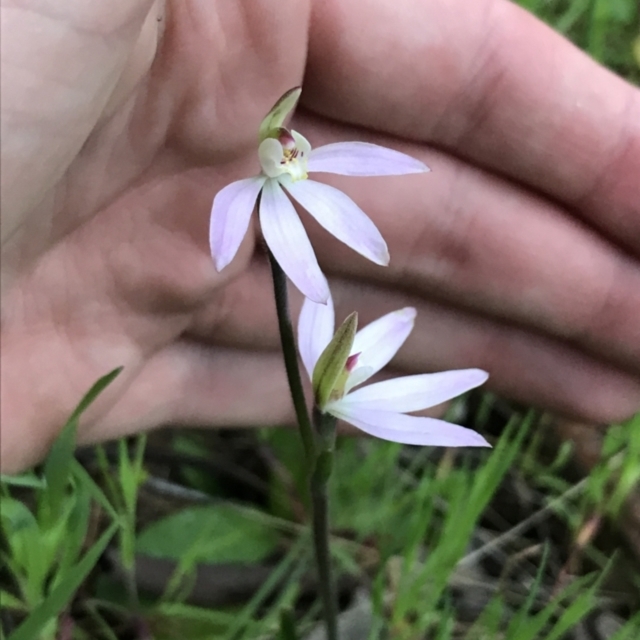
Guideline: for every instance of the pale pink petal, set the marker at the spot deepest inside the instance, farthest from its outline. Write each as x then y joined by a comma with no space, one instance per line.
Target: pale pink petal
230,216
315,330
288,241
363,159
357,376
341,217
414,393
398,427
379,341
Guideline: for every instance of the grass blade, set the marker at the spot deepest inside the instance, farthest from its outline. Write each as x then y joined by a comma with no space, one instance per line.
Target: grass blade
61,595
57,467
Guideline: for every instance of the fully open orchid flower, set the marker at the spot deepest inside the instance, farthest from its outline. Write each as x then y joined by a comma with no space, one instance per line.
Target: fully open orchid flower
380,409
286,158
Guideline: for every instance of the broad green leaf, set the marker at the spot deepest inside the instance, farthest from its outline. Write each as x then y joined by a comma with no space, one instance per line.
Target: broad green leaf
212,533
63,593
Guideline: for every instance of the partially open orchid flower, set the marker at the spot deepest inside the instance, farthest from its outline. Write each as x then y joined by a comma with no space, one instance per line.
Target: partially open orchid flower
286,158
380,409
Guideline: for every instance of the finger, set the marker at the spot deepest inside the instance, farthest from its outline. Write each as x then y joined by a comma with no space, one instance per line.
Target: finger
489,245
226,64
179,117
196,384
186,383
524,366
490,83
61,63
199,385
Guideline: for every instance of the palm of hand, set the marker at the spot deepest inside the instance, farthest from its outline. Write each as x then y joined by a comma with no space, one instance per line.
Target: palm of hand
113,263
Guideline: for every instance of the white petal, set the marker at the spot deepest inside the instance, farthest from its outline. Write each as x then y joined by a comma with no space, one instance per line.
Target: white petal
341,217
398,427
302,144
230,215
315,330
363,159
414,393
284,234
270,154
358,376
380,340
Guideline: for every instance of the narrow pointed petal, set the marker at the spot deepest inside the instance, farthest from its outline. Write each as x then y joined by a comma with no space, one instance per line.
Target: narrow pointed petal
363,159
230,216
379,341
398,427
415,393
302,144
341,217
315,330
284,234
359,375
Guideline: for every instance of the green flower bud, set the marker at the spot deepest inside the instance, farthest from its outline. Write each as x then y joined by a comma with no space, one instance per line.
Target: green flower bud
329,377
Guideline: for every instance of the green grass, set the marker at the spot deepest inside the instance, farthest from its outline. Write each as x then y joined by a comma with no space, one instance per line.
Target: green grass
404,523
410,525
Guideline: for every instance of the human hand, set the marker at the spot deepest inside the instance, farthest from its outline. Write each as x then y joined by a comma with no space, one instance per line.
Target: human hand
115,162
120,122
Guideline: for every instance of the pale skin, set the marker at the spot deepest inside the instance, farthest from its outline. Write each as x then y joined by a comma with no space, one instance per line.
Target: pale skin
122,118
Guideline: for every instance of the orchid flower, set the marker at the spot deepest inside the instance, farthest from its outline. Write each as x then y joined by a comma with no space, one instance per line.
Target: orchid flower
380,409
286,158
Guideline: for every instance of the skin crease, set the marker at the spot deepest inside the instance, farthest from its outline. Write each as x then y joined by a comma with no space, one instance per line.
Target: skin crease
122,119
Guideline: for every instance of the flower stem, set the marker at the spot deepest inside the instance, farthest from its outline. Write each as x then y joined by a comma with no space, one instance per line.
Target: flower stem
288,343
325,426
320,458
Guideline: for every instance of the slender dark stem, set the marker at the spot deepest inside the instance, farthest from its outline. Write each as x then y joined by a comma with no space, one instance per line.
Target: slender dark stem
320,458
291,358
325,427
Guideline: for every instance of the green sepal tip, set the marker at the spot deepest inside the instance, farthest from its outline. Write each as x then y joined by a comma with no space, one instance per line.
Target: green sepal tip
279,113
331,364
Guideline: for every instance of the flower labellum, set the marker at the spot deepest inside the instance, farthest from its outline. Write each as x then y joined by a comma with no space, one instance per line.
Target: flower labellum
380,409
286,159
